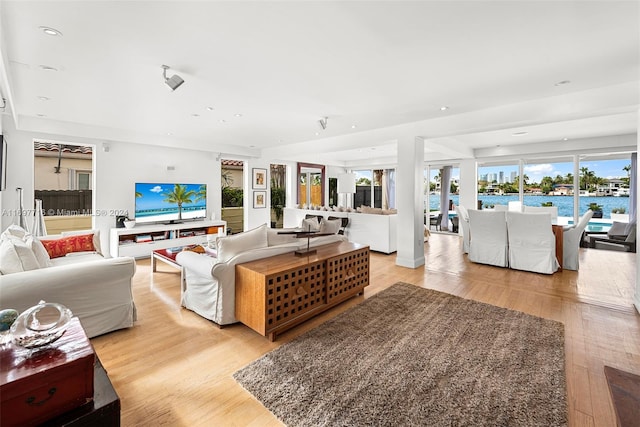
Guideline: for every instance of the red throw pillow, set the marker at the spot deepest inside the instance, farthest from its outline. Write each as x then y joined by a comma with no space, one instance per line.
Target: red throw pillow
61,247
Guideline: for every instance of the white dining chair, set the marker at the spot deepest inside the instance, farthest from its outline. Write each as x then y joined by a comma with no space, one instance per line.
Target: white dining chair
463,222
571,240
488,237
552,210
532,245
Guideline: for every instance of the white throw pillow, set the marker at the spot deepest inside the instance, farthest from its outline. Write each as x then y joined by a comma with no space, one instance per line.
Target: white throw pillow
96,237
9,259
41,254
310,224
16,256
15,231
330,225
230,246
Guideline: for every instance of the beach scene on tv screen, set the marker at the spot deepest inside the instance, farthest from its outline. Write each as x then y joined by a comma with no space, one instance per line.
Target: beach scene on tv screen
170,202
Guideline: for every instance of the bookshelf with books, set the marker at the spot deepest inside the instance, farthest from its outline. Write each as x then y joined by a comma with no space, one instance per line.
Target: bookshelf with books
141,240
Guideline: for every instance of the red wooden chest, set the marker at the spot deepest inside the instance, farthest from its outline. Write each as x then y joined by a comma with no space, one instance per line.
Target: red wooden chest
36,385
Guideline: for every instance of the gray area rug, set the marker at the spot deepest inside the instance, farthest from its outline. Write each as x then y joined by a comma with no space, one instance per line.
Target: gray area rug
410,356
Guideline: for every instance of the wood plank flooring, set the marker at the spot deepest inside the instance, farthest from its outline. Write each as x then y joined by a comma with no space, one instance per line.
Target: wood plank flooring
175,368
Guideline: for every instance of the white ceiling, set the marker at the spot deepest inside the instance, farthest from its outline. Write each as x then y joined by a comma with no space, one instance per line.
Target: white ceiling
385,67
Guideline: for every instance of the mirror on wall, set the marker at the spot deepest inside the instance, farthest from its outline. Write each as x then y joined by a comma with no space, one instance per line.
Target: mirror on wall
311,179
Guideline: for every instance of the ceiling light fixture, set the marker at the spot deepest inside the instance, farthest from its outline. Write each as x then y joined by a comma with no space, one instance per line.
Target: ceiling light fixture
195,115
48,68
563,82
173,82
444,108
209,108
353,126
50,31
43,98
323,122
238,115
519,133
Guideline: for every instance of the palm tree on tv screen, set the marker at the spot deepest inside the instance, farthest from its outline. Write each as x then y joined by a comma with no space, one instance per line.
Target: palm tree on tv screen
179,195
201,194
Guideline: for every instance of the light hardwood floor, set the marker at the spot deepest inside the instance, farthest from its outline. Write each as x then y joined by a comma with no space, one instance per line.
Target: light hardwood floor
175,368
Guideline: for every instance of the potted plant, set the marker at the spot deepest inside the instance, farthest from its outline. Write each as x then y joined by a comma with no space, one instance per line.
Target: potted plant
597,210
278,201
619,214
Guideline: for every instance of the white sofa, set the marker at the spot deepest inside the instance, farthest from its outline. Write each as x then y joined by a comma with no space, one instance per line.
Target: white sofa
209,283
379,232
96,289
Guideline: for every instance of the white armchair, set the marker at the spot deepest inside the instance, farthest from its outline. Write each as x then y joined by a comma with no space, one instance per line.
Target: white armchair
463,222
488,237
532,245
571,241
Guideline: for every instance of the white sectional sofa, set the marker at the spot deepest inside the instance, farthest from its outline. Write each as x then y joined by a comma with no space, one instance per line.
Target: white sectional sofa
96,289
209,285
379,232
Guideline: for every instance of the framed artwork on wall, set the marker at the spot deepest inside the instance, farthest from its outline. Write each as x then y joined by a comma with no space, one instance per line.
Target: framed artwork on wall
259,199
259,179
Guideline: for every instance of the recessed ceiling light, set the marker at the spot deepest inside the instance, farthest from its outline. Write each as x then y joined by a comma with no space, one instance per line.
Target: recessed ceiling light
252,146
169,133
209,108
317,133
238,115
223,121
50,31
444,108
195,115
565,139
519,133
563,82
353,126
48,68
43,98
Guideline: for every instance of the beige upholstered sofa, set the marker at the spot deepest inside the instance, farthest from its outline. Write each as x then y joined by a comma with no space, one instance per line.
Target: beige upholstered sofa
96,289
209,285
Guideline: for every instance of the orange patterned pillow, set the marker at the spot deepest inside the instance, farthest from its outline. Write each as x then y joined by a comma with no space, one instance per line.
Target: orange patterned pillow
61,247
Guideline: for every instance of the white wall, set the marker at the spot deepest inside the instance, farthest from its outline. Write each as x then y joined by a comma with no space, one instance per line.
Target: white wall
116,172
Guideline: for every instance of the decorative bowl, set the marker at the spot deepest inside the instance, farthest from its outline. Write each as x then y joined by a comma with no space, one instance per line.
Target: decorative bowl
129,223
40,325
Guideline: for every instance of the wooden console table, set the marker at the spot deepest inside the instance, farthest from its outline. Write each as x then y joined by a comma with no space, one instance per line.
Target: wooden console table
277,293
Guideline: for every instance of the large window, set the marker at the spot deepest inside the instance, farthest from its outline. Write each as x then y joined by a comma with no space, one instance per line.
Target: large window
604,185
549,182
498,184
375,188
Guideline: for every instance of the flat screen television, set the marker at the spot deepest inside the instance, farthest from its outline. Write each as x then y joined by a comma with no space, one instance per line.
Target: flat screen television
164,202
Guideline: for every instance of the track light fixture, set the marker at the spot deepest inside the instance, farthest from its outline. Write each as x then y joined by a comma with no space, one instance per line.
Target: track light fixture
173,82
323,122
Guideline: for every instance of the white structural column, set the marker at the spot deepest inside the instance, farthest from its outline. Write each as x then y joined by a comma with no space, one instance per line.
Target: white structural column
468,184
410,202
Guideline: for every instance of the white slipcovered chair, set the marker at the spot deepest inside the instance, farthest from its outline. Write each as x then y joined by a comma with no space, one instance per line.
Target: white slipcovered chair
463,222
571,242
532,245
552,210
502,208
515,206
488,233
